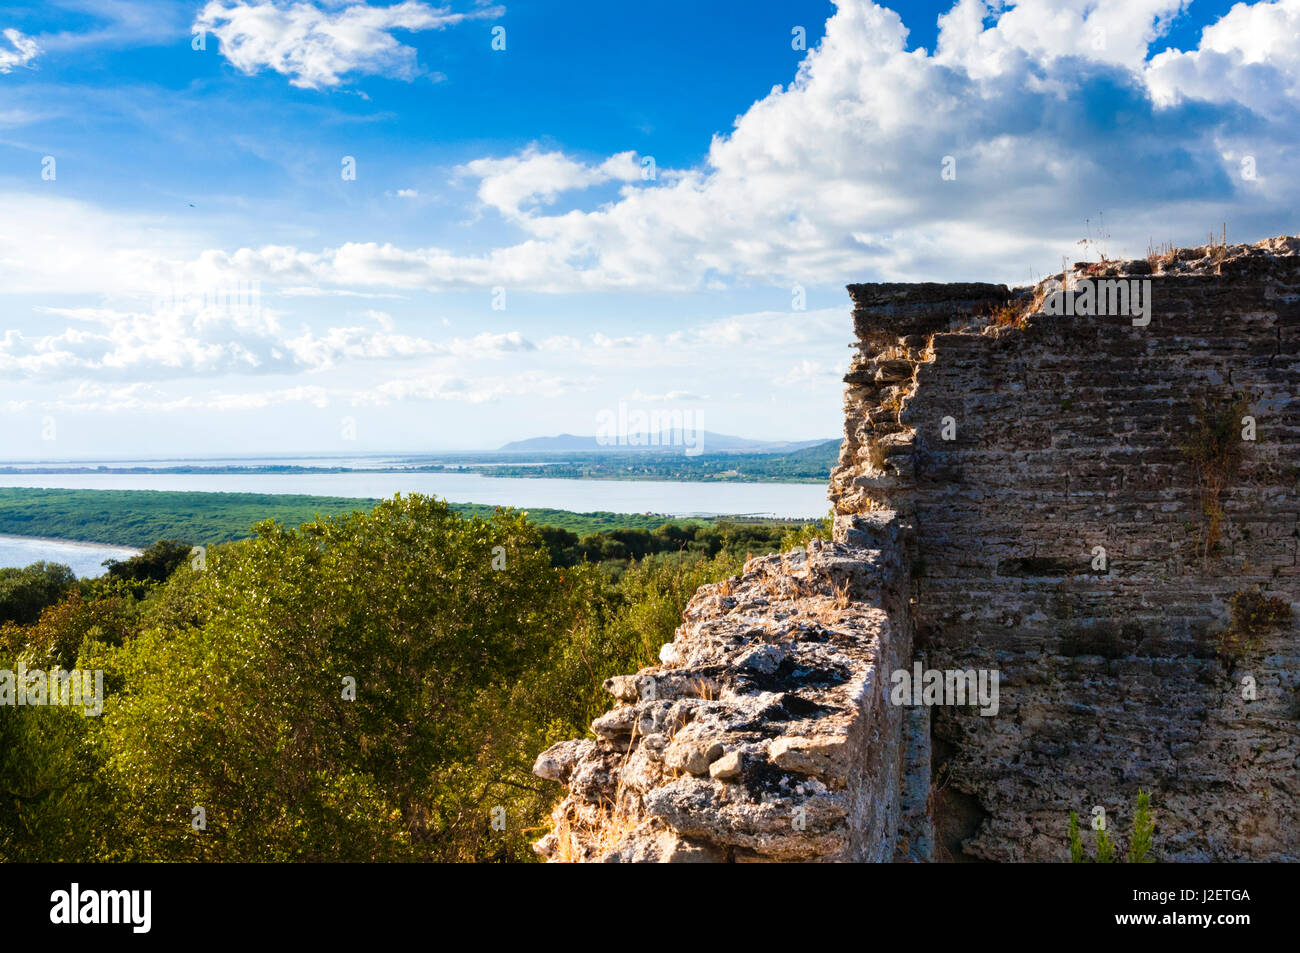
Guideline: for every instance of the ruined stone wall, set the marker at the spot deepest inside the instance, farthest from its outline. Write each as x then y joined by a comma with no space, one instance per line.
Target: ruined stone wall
1067,435
766,733
1014,495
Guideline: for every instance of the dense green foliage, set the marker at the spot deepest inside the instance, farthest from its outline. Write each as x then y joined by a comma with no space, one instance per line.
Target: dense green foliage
366,686
621,545
155,564
25,592
139,517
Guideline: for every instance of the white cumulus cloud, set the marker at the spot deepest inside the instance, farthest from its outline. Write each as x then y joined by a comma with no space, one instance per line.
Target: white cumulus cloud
1046,113
535,176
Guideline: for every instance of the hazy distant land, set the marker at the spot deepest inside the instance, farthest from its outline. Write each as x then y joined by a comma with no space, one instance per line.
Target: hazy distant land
809,462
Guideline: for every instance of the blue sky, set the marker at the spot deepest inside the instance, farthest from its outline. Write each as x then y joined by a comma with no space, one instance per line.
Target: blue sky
197,275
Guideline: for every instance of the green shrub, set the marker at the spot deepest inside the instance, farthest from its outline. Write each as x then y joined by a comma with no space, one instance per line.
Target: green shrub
801,537
1140,840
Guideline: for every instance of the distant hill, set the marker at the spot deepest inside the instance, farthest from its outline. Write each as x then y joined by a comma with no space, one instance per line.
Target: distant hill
822,453
668,442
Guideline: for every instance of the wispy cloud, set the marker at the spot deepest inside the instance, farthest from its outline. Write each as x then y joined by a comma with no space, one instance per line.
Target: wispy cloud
149,397
317,46
203,341
21,50
114,24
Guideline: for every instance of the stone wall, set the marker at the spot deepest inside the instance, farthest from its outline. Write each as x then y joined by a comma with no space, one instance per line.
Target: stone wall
1068,434
767,733
1015,494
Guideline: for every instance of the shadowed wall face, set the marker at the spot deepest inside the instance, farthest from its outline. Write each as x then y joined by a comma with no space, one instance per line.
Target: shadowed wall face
1045,465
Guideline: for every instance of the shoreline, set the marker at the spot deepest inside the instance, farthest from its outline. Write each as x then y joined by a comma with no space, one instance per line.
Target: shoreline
79,543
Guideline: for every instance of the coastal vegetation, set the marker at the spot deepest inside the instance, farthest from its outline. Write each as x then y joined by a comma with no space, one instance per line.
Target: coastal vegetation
369,685
138,518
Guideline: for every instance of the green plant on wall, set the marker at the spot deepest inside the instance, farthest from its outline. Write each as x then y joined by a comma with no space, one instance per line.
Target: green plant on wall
1214,447
1076,842
1139,846
1144,827
1252,615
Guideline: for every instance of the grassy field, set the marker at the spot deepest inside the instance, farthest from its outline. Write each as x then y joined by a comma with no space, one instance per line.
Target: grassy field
141,517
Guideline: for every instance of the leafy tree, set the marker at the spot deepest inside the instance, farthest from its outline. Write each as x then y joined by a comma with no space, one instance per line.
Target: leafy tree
24,593
245,712
561,544
57,637
53,804
155,564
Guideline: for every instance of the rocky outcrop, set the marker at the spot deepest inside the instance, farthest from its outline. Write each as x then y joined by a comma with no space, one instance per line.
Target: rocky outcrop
1018,493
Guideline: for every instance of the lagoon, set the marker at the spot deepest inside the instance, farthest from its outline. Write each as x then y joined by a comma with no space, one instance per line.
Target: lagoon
783,500
83,558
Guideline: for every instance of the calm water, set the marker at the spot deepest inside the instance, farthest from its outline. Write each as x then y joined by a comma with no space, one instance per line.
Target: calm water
83,558
786,500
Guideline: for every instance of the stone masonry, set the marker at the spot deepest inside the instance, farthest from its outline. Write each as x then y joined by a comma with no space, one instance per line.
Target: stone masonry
1016,493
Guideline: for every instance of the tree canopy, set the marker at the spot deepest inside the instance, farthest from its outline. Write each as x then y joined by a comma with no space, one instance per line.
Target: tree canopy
367,686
